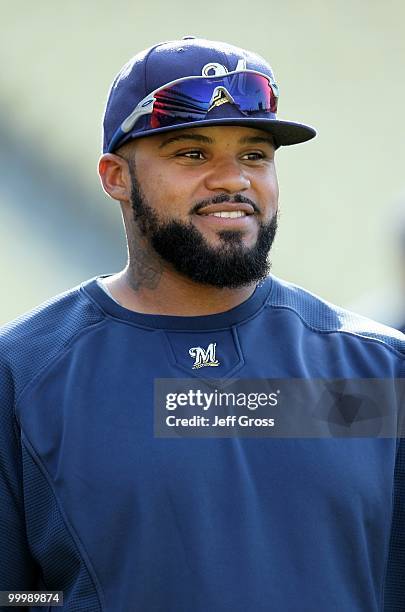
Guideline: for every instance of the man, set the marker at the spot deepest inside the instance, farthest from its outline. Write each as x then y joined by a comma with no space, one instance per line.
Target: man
100,498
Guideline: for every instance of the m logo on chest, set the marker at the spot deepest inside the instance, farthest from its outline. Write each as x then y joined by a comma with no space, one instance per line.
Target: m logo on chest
204,357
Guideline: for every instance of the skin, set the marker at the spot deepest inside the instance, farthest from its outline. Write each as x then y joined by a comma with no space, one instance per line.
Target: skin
175,175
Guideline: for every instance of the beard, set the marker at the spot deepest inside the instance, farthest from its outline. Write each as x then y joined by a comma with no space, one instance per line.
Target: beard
181,244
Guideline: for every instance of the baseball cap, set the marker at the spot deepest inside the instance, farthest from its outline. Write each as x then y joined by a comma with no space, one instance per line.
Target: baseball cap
171,67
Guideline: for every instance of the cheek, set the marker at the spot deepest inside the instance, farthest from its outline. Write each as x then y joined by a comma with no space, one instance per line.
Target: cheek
152,182
273,186
269,193
157,191
168,194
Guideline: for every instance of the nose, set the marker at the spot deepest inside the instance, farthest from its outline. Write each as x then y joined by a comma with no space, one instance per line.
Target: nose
227,175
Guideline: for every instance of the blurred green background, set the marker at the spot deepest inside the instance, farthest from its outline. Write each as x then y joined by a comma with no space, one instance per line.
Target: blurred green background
340,68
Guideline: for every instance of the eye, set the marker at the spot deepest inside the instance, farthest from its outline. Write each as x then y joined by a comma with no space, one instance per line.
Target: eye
193,154
254,156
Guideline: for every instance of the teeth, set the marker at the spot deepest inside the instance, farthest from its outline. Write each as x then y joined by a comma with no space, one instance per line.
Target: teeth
233,214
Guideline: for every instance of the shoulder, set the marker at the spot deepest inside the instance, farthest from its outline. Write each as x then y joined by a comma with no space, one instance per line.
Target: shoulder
323,317
34,339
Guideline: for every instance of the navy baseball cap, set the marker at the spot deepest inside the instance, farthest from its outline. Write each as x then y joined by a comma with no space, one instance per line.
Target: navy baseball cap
190,82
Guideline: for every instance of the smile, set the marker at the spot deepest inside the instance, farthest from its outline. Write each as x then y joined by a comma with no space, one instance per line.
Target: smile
227,214
231,210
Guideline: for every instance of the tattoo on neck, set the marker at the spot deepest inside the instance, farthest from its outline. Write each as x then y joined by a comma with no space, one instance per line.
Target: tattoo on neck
145,270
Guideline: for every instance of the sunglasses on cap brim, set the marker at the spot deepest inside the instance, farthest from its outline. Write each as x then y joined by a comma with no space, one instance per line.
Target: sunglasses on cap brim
191,98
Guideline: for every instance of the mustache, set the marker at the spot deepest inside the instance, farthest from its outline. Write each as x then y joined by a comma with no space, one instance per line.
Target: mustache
224,197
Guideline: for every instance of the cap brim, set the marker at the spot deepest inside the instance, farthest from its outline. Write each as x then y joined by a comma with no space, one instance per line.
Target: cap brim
285,132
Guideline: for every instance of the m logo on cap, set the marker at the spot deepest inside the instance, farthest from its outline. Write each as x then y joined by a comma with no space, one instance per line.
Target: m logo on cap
220,95
214,69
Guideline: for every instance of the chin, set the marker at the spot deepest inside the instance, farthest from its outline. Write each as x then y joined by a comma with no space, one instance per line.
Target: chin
236,239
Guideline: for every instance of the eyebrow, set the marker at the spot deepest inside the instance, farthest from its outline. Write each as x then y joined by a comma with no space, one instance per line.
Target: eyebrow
197,137
257,140
206,140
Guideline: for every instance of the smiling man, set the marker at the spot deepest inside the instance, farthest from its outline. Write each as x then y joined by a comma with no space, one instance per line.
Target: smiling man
200,211
124,483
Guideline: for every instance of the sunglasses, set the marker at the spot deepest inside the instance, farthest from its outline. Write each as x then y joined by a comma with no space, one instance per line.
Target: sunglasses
191,98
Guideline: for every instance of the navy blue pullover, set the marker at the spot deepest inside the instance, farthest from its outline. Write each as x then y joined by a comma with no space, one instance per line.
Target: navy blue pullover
94,505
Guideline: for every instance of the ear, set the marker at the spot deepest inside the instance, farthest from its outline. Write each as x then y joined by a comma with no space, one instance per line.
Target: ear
115,177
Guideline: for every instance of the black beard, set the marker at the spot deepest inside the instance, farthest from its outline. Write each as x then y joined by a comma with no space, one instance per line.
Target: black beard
230,265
